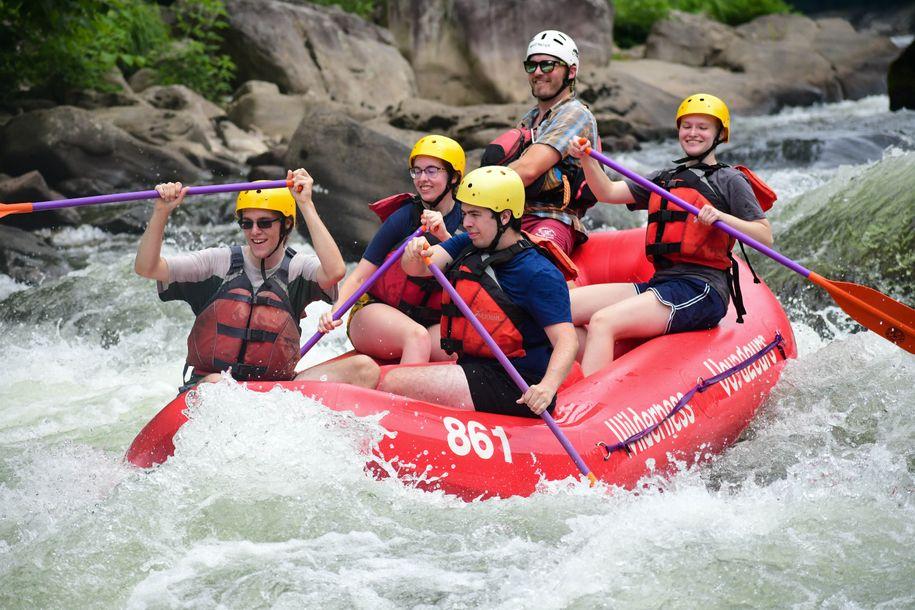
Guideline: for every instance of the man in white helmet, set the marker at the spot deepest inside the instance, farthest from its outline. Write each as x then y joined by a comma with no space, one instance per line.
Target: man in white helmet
557,196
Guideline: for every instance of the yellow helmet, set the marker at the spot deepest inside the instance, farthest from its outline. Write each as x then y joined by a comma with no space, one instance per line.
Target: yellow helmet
279,200
495,187
440,147
704,103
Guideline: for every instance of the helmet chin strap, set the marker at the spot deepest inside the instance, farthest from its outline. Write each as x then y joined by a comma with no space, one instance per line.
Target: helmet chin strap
445,191
499,232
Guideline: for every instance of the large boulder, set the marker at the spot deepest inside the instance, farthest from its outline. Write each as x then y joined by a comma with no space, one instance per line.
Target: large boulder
71,147
260,105
900,80
688,38
323,50
470,52
27,258
776,60
31,187
352,166
473,126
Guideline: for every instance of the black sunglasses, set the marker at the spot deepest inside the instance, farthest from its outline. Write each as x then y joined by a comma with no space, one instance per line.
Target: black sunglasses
546,65
262,223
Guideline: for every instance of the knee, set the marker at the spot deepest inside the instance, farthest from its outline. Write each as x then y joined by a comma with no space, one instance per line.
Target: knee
602,321
366,371
419,336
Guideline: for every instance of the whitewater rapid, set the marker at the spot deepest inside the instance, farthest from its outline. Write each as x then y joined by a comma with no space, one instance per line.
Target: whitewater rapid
266,502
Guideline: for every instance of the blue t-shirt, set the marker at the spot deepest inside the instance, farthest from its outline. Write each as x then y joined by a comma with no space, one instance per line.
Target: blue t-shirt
533,283
398,226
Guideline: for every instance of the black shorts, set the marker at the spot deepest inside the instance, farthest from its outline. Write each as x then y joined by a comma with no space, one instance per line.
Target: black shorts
493,391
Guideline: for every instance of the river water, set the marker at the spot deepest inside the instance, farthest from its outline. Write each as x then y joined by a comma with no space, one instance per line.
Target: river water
266,503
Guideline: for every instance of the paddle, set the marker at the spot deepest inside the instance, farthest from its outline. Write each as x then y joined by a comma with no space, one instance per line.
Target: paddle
872,309
509,367
393,258
26,208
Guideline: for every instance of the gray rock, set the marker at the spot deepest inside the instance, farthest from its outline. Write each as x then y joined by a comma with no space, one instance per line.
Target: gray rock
260,105
66,143
900,80
31,187
688,38
143,79
772,61
470,52
27,258
308,48
352,166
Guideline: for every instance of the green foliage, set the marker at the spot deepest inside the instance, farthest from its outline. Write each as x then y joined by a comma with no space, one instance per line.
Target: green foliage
48,47
196,60
634,18
363,8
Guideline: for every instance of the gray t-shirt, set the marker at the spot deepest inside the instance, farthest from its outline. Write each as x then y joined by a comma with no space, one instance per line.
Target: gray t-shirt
198,266
739,201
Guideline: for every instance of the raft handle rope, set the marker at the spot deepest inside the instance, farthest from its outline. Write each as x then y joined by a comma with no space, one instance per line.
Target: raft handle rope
702,386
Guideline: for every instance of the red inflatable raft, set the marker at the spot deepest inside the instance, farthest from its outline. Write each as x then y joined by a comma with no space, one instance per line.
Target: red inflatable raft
647,410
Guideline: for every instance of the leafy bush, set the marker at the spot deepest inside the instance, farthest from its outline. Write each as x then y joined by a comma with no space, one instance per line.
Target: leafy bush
634,18
363,8
195,61
48,47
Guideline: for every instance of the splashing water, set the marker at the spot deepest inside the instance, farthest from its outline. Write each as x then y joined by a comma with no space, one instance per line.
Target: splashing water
267,503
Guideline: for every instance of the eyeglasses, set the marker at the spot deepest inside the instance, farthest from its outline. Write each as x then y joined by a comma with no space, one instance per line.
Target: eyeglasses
431,171
262,223
546,65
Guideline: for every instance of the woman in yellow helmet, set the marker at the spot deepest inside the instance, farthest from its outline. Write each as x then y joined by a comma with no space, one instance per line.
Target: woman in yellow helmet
693,278
249,299
398,318
517,293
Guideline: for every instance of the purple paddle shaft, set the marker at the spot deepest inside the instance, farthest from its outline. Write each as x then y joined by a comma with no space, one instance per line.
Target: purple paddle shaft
651,186
508,366
140,195
394,258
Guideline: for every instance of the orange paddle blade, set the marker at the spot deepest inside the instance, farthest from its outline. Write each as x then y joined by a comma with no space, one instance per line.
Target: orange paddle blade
14,208
885,316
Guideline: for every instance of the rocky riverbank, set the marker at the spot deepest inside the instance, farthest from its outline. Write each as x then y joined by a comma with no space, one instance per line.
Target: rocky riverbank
346,98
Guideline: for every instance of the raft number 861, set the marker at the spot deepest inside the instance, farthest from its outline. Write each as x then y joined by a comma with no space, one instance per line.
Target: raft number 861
461,439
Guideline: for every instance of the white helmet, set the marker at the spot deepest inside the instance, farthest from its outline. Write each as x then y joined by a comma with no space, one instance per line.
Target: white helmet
555,43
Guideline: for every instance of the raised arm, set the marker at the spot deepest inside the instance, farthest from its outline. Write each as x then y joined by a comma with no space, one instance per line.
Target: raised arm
604,189
149,262
332,267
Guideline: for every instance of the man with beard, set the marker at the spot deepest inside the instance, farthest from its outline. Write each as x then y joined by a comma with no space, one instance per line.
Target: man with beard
556,196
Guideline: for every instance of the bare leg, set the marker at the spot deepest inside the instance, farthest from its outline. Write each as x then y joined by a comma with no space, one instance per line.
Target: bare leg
443,384
357,370
384,332
640,316
589,299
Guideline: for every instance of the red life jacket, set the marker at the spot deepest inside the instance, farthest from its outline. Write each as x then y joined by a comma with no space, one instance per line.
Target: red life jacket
473,278
256,333
420,298
675,236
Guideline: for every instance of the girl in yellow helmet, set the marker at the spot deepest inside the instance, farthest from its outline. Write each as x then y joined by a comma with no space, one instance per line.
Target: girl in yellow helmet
692,283
398,318
249,300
